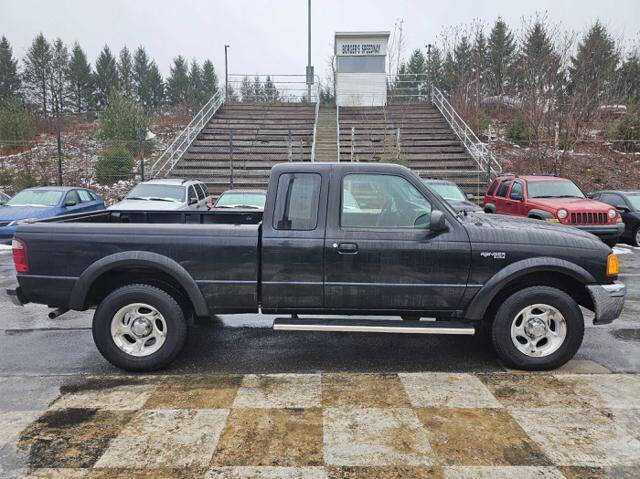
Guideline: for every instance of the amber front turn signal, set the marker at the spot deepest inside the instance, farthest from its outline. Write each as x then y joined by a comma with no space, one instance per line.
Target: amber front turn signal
613,268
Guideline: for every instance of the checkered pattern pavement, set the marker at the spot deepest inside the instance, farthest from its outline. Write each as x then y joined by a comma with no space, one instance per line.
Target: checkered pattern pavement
413,425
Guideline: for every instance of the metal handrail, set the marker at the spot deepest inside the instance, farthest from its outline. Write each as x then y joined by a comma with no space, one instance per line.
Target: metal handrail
477,149
338,130
170,157
315,123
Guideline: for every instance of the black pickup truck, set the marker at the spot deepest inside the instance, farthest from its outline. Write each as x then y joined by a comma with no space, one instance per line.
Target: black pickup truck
340,239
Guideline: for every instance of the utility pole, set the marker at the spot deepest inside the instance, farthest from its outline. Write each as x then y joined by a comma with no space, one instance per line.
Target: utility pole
309,67
226,74
429,79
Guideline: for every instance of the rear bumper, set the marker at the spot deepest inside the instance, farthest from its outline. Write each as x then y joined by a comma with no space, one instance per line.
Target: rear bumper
608,301
603,231
17,296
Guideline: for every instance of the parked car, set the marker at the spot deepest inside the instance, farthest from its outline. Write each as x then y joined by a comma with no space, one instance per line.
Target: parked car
45,202
307,253
241,199
452,193
553,199
168,194
627,202
4,198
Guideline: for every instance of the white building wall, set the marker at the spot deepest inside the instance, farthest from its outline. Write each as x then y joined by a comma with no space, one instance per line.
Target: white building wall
361,89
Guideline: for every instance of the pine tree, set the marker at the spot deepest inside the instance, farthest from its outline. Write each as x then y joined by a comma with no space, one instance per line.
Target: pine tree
231,94
629,79
156,85
106,77
209,80
80,78
142,77
416,75
246,89
538,63
449,76
9,78
195,90
593,70
479,59
178,81
271,93
37,69
258,90
501,49
463,58
59,77
435,71
125,72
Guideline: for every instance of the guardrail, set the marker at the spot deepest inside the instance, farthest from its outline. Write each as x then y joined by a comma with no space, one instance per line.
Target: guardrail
170,157
477,149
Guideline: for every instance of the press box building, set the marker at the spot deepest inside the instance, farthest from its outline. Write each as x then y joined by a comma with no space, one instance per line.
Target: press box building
361,68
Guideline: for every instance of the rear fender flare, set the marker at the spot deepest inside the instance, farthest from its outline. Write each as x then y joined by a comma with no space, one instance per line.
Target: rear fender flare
483,298
137,258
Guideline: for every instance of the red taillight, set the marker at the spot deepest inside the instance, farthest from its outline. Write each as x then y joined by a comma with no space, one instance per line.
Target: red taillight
20,256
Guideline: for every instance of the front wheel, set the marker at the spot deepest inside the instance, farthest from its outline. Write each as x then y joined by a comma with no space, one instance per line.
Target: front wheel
635,239
537,328
139,328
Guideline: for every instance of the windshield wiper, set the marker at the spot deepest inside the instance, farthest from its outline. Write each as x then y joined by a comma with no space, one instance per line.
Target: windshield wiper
133,198
569,196
162,199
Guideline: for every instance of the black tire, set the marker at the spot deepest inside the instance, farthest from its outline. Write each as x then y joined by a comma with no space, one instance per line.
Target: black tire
635,238
135,293
610,242
501,328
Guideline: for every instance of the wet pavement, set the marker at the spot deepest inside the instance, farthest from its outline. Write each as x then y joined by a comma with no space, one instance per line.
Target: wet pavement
243,401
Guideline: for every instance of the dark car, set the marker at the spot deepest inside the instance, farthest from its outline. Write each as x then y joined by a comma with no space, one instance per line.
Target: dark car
241,199
452,193
323,246
627,202
45,202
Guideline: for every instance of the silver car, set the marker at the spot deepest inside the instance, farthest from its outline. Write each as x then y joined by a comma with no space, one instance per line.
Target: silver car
169,194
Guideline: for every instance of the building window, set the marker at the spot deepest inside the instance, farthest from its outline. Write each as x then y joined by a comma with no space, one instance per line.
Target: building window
361,64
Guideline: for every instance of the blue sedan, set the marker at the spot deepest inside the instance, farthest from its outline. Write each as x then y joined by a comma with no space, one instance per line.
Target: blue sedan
45,202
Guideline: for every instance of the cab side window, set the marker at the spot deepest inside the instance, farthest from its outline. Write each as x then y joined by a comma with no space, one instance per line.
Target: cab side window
398,203
504,187
516,191
85,197
297,199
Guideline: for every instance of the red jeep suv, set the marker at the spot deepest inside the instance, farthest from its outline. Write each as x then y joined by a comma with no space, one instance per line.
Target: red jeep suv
553,199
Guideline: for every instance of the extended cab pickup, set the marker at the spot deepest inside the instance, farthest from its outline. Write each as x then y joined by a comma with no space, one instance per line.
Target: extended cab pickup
340,239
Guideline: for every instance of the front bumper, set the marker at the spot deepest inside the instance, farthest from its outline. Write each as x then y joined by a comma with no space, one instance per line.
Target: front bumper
603,231
608,301
17,296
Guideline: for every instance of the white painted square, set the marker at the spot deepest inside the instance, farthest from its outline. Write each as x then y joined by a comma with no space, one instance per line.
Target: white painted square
166,438
118,398
279,391
13,422
447,390
580,437
266,472
375,437
502,472
615,391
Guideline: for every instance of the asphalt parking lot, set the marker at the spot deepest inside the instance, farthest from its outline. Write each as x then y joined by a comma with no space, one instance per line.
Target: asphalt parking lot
244,401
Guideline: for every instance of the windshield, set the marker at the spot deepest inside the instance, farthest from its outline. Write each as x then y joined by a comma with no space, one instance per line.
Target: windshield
447,191
255,200
634,199
150,191
553,189
36,198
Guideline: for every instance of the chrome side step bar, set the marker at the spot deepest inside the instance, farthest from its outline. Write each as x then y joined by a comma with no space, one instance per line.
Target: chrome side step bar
374,326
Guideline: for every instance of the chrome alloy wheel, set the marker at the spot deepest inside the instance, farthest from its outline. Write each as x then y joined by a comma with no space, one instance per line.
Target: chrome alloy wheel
138,329
538,330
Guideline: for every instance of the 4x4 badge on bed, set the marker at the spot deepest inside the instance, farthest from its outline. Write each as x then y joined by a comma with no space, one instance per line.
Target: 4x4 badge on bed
493,254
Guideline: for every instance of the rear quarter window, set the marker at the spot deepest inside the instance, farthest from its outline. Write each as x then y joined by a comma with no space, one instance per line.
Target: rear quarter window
492,187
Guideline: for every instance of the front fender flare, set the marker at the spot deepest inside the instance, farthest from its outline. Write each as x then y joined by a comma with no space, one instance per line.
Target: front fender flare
137,258
482,299
541,213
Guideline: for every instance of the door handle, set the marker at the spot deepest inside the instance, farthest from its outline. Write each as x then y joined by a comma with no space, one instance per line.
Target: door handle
346,248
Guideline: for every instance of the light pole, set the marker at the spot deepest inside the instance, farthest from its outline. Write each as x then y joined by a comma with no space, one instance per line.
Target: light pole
309,67
429,68
226,74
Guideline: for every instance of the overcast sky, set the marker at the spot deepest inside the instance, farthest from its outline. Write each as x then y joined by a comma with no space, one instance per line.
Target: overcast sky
271,36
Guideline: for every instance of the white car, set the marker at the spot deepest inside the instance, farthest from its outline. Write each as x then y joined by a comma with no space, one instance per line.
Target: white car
169,194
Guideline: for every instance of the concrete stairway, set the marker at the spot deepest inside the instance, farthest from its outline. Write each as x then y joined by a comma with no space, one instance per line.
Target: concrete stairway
256,136
326,135
427,143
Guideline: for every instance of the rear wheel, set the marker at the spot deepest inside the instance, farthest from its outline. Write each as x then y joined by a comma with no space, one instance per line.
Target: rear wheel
537,328
635,239
139,328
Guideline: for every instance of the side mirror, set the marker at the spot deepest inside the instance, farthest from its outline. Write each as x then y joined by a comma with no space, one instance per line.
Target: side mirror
70,202
438,222
469,196
622,208
193,201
